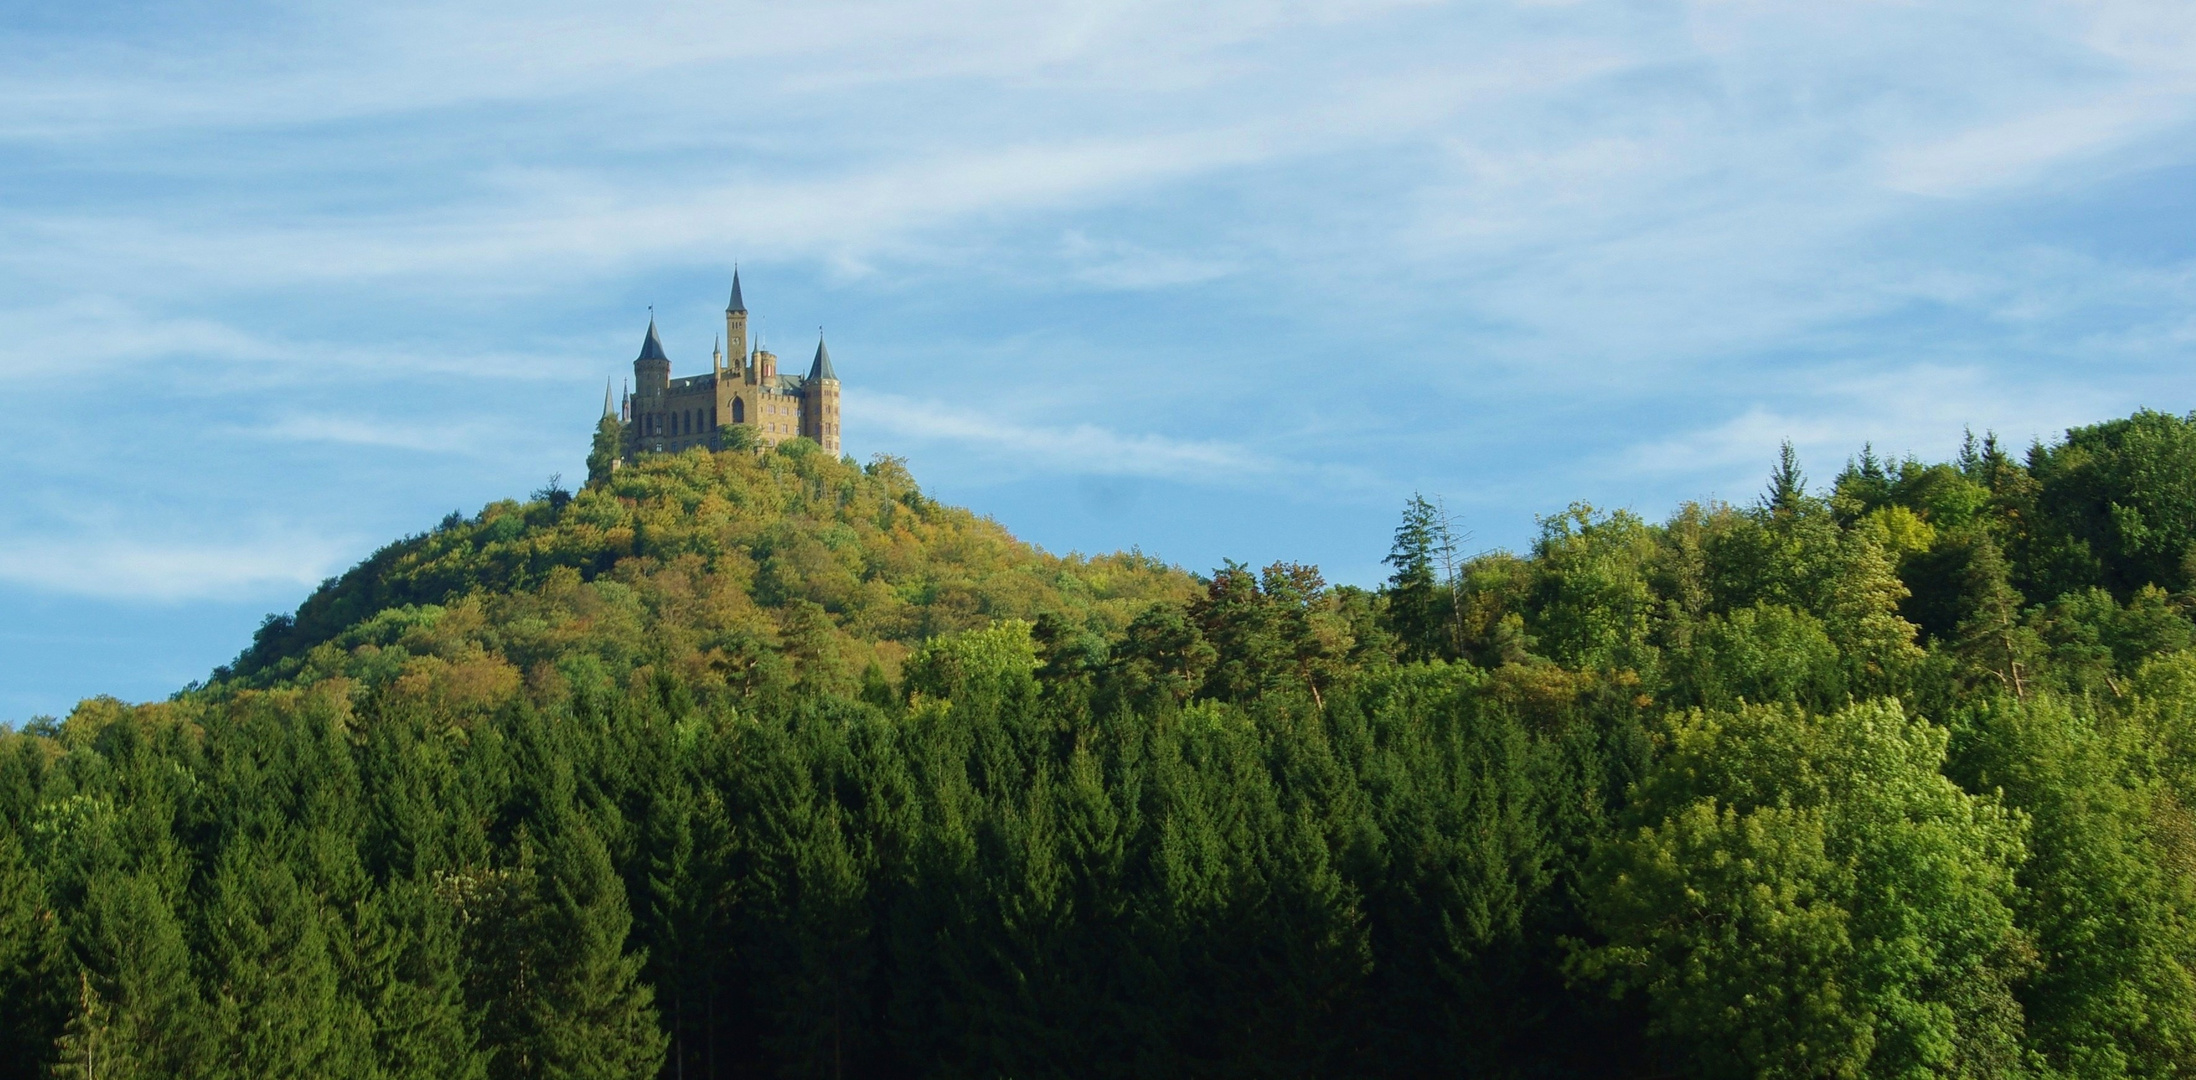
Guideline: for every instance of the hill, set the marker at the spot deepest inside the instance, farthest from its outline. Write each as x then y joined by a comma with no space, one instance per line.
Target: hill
765,764
741,572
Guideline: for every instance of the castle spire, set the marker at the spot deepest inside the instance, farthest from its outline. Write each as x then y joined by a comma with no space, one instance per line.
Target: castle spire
652,346
821,369
606,413
736,304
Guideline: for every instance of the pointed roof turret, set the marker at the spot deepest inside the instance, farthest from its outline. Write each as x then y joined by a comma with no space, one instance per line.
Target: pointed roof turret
606,413
821,369
736,304
652,346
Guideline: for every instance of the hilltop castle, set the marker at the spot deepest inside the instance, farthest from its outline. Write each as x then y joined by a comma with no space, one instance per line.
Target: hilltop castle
665,415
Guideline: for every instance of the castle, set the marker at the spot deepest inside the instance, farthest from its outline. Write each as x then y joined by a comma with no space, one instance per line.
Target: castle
665,415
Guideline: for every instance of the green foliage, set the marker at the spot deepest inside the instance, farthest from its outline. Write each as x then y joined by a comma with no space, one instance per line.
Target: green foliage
2124,493
744,764
1809,896
33,977
715,565
1422,591
605,452
2115,995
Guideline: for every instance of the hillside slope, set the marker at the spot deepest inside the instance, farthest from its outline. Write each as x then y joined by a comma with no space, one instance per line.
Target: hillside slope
739,571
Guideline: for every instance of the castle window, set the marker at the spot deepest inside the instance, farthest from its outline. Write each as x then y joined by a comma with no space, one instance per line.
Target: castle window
739,411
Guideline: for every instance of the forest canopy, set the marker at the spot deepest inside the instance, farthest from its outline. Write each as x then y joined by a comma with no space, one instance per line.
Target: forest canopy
756,763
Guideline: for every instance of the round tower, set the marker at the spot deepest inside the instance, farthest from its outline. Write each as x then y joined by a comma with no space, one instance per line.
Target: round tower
651,382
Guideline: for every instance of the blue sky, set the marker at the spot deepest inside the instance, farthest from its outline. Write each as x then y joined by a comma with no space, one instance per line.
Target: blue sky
280,282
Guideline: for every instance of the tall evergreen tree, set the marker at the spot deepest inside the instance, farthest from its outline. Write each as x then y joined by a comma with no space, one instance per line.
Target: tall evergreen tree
592,1017
272,1002
33,974
142,1008
1420,598
403,971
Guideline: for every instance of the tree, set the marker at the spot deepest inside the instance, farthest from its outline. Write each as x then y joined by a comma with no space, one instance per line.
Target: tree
33,975
272,1004
1787,484
738,438
593,1018
1991,640
2115,994
1809,896
140,1006
606,452
89,1046
404,972
1875,643
1160,661
1422,602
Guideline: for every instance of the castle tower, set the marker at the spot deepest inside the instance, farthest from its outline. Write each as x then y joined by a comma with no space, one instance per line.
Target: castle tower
735,320
651,383
820,400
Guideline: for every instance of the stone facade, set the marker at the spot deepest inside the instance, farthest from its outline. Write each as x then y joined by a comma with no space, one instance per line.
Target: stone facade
663,415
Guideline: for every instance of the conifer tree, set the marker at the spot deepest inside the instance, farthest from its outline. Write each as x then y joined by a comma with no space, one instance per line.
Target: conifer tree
90,1047
271,983
33,975
592,1017
403,970
143,1004
1420,600
1991,641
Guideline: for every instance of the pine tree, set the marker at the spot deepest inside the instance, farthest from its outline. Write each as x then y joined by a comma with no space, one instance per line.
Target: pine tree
403,971
32,973
271,984
1421,600
90,1047
1991,641
143,1004
593,1017
1787,485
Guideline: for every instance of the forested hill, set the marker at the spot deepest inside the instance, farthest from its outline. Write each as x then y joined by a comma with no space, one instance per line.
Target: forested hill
746,764
739,571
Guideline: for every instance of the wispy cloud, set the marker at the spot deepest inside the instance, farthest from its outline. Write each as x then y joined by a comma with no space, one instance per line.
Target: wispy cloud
346,430
1074,449
1922,409
166,572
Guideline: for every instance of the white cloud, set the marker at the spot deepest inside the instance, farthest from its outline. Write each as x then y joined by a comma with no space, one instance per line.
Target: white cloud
166,571
2019,149
1829,416
348,430
1076,449
1117,264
